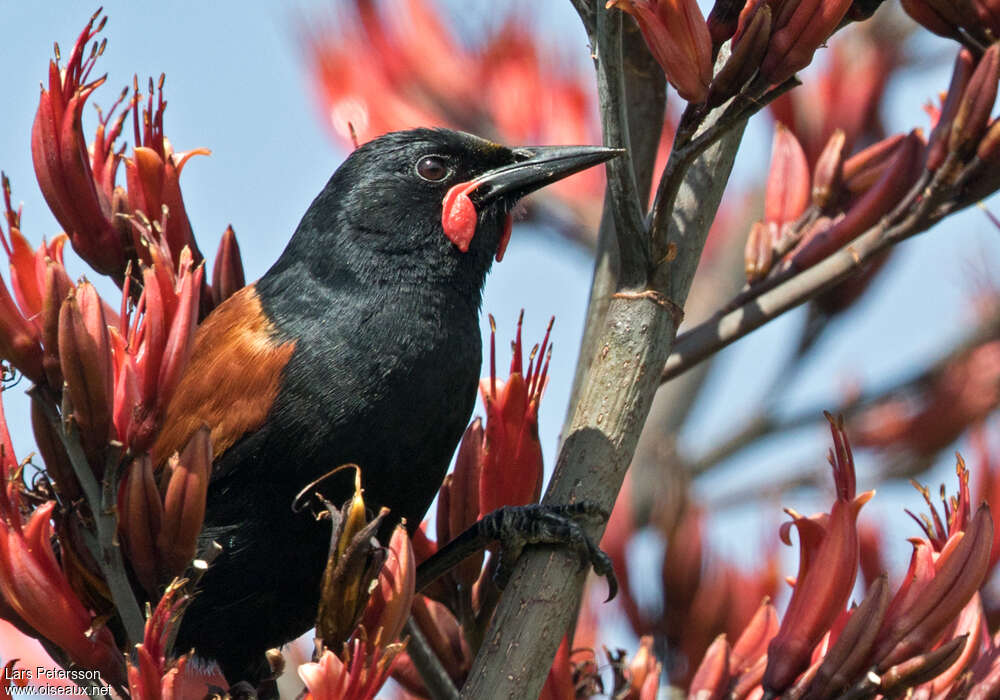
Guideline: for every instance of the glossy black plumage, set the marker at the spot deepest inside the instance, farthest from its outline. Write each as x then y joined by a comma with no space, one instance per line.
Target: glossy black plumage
371,319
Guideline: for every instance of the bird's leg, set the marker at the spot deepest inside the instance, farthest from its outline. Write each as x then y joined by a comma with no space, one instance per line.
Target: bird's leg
514,528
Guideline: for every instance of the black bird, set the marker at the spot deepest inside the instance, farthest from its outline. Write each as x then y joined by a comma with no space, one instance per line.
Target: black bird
361,344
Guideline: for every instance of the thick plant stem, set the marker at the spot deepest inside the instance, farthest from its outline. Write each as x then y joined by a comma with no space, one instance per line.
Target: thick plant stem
635,337
645,106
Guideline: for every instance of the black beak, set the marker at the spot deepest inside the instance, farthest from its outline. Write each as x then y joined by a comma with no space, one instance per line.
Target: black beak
537,167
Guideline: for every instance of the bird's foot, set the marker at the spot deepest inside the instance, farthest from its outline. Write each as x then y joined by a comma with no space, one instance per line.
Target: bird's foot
516,527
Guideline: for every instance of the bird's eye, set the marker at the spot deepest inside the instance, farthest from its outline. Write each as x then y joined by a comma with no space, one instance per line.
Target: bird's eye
432,168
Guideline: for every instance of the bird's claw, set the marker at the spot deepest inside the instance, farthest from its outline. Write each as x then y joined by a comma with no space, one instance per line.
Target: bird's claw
515,527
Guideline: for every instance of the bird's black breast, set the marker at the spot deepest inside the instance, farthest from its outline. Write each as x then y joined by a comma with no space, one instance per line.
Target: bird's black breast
387,382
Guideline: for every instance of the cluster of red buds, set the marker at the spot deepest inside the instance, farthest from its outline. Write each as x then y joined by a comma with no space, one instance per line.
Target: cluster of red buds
103,374
806,219
37,594
927,638
770,39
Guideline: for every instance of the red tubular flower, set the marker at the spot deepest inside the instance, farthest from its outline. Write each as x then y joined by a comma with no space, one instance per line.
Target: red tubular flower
828,564
937,144
828,175
25,316
678,37
785,199
33,583
973,112
153,175
511,472
155,344
946,570
787,192
186,489
357,674
850,644
140,519
62,165
389,602
751,645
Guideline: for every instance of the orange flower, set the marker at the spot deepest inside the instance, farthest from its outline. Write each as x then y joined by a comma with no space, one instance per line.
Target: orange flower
511,473
357,674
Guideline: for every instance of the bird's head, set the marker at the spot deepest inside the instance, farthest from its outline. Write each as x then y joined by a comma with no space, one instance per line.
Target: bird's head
428,204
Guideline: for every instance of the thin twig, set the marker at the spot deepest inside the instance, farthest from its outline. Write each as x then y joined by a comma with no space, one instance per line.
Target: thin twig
435,677
694,136
723,329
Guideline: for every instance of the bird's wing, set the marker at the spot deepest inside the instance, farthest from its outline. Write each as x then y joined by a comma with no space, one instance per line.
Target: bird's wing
231,381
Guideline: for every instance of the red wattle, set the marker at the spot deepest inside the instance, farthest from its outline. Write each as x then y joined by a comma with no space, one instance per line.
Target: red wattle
458,215
508,224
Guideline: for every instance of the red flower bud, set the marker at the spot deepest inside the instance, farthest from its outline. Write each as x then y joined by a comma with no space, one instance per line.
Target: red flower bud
828,175
977,102
937,144
744,59
140,519
799,29
184,505
678,37
227,274
787,193
85,359
711,680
